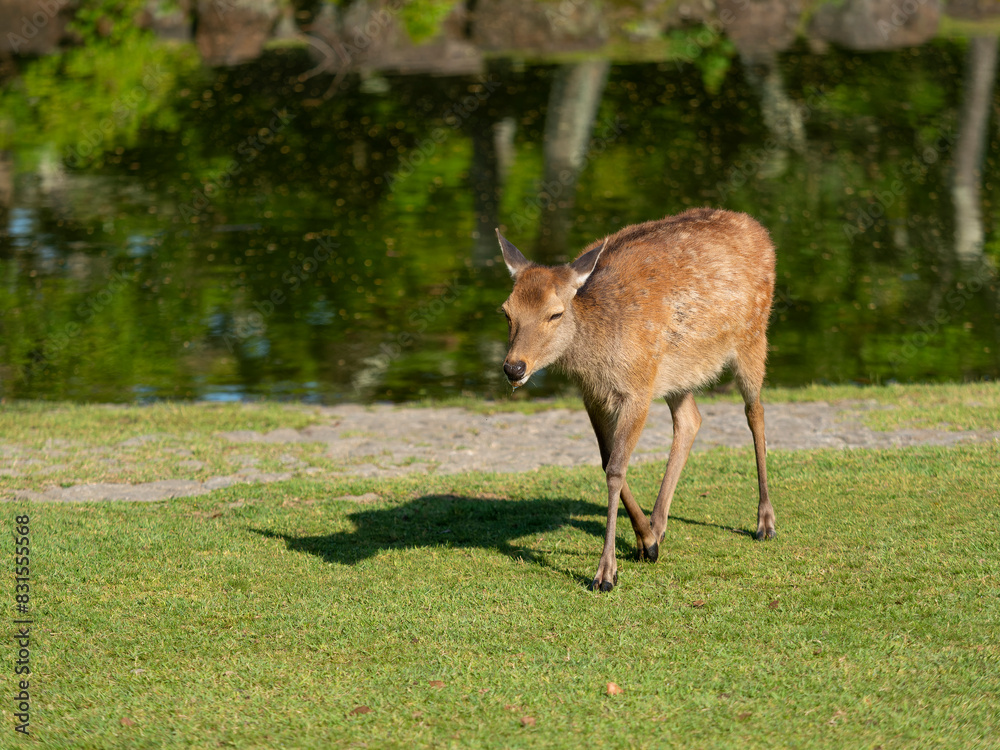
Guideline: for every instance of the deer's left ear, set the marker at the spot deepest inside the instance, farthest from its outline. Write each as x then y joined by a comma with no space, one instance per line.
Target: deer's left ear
512,256
585,264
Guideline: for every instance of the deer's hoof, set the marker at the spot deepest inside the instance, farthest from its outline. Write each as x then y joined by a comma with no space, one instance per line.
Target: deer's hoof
763,534
649,554
599,585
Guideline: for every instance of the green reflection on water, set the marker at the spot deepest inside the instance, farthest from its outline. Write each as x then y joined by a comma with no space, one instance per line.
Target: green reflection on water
245,232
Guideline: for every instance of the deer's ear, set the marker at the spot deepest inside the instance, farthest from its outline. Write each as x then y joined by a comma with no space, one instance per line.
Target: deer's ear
585,264
512,256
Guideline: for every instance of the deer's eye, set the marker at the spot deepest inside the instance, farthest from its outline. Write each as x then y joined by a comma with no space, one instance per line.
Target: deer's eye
555,317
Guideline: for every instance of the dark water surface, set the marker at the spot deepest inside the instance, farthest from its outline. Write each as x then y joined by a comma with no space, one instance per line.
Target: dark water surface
257,231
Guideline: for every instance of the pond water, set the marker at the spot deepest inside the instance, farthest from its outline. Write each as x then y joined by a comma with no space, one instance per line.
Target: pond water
262,231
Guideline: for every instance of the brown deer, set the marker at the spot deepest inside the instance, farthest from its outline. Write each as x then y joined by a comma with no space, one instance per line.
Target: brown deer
656,309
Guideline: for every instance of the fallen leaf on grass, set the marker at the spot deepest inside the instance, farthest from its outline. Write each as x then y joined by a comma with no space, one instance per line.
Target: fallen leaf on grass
360,710
437,683
206,514
613,689
527,721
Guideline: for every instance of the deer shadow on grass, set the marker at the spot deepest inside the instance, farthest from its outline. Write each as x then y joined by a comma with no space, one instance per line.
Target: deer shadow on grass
454,521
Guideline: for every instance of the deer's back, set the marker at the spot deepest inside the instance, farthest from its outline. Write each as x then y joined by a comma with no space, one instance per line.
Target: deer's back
671,301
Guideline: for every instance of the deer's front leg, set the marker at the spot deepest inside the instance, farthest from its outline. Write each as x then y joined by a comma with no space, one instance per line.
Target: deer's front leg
645,543
631,420
607,568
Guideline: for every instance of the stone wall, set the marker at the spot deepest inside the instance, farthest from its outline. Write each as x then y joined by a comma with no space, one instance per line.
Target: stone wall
371,34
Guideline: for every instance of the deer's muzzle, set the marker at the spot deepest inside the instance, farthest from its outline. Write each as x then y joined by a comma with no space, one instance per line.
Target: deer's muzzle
514,371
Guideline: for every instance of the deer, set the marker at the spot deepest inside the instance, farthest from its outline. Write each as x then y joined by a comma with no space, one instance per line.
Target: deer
656,310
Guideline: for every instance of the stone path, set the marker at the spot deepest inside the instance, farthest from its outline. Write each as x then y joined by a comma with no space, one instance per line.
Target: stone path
462,441
387,441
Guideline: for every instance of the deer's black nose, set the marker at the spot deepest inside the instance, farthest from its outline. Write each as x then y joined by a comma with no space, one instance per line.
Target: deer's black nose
514,370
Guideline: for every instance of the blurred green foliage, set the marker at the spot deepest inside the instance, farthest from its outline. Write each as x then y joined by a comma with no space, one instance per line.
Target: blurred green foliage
707,49
423,18
93,99
107,22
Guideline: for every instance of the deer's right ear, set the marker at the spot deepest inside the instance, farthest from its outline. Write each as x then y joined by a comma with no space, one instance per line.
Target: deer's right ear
512,256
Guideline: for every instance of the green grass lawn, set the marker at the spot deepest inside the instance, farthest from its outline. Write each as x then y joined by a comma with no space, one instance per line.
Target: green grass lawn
452,612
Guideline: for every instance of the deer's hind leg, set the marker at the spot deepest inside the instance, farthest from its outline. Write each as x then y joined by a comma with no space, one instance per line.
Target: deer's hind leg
645,542
749,370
